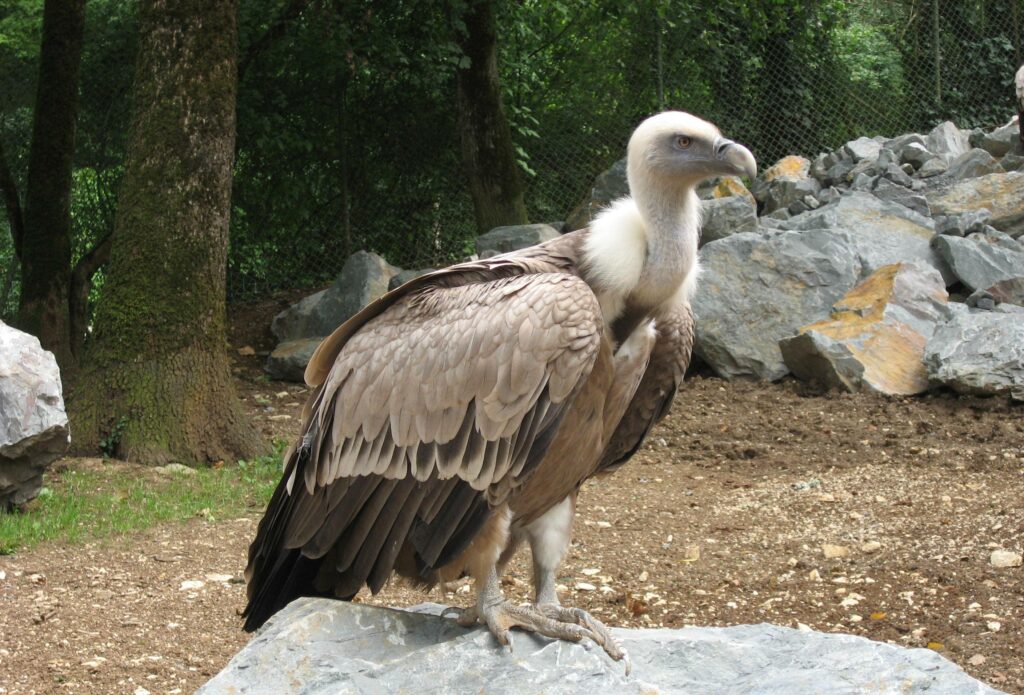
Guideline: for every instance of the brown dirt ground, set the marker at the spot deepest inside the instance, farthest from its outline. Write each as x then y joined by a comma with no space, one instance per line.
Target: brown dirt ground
721,519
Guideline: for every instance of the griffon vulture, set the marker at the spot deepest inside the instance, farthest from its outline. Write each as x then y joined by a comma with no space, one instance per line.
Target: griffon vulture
1018,84
461,412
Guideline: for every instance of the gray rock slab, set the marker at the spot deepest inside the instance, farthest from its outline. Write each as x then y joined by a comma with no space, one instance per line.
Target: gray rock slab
1002,140
513,238
321,647
875,337
883,232
980,260
34,428
609,185
725,216
979,353
973,163
933,167
1009,291
363,278
862,148
948,141
886,190
405,276
289,359
915,154
756,289
1001,194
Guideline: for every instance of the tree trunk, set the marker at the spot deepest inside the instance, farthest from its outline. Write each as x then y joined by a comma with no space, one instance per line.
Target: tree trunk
487,152
46,239
155,384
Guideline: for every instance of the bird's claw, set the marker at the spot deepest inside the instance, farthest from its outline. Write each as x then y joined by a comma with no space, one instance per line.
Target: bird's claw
548,620
597,630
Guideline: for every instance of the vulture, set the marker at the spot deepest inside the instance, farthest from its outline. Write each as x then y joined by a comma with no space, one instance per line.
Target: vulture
1018,83
458,415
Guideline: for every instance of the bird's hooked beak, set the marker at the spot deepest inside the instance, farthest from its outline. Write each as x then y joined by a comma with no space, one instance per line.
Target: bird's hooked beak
734,159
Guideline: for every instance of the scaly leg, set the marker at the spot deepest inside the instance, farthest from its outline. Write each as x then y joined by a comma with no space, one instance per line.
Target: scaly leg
549,539
500,614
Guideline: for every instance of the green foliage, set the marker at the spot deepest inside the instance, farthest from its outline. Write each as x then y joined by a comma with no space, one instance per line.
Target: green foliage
347,134
84,505
110,441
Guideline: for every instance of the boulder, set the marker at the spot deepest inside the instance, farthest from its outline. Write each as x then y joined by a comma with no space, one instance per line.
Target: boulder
1012,162
875,338
784,192
933,167
512,238
982,260
399,279
363,278
289,359
756,289
948,141
725,187
886,190
915,154
1003,140
33,424
1008,291
318,646
980,353
1001,194
973,163
862,148
784,182
609,185
725,216
963,223
883,232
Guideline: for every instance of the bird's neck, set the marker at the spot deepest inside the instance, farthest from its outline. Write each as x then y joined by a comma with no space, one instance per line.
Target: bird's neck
672,222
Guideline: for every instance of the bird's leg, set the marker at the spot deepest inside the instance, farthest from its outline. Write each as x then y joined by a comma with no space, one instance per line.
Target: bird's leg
549,539
500,615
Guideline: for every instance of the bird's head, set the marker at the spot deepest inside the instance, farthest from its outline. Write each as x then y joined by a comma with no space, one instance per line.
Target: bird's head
676,149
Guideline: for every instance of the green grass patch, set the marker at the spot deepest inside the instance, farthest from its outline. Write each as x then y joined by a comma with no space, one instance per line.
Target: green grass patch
81,505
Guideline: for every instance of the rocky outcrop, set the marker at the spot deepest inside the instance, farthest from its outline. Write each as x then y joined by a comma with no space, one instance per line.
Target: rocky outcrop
610,185
979,352
33,424
513,238
982,260
289,359
876,335
1000,194
756,289
364,277
726,216
317,646
882,232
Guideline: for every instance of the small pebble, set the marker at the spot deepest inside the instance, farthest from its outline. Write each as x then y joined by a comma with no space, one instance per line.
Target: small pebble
1005,558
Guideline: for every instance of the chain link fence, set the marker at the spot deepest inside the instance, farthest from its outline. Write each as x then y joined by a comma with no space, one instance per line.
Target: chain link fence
362,153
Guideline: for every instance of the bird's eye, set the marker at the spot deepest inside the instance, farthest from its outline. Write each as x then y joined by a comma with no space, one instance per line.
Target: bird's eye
682,142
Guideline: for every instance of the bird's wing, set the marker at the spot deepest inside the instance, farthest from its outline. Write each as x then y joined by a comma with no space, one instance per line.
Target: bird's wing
653,398
435,409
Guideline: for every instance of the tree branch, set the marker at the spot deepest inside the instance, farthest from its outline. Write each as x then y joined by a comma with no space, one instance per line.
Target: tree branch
81,284
12,201
289,14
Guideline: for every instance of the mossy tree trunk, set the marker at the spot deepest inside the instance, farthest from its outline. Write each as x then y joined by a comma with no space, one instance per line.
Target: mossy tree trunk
45,244
487,153
155,383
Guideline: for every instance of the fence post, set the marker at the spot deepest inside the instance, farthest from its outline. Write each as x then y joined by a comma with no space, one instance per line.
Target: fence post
938,57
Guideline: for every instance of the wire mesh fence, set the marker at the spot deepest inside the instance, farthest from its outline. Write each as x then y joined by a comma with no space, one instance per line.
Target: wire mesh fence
347,135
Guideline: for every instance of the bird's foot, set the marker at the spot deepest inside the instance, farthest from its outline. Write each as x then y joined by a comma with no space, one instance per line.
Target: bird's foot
596,630
548,620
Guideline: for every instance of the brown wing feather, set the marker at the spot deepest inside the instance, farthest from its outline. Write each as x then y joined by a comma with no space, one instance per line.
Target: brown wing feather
396,419
653,398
